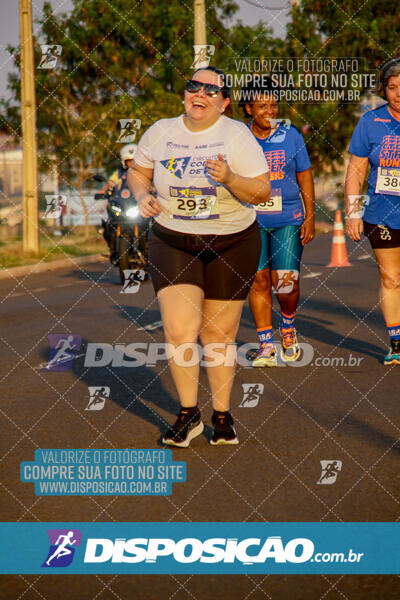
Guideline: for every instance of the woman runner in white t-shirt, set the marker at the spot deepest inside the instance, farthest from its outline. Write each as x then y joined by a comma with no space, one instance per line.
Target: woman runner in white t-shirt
204,246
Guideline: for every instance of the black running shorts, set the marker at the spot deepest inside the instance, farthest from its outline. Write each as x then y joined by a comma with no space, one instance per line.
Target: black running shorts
224,266
381,236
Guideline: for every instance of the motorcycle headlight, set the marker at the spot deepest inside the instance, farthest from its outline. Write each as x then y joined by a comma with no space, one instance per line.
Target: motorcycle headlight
115,209
132,212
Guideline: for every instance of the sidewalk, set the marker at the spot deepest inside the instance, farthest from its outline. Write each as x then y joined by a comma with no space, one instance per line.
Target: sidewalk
13,272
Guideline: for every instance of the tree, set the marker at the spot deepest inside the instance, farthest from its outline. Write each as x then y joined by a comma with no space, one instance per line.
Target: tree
119,60
323,28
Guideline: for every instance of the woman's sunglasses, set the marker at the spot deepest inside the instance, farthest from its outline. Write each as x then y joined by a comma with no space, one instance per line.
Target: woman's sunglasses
193,86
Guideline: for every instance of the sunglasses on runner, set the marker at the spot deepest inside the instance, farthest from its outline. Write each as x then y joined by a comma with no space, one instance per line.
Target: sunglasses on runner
211,90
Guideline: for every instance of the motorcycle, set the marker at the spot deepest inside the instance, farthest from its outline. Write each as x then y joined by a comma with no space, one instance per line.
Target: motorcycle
124,230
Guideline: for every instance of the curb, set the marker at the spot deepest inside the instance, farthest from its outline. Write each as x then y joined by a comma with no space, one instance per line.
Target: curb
8,273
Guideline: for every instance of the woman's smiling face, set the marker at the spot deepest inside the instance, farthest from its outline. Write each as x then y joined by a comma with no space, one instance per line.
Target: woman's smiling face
263,110
198,105
393,93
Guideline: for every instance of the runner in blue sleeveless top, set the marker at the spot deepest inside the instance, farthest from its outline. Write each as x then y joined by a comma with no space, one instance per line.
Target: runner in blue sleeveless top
286,221
376,142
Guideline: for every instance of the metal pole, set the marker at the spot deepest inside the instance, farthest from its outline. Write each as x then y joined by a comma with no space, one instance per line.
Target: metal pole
29,146
200,35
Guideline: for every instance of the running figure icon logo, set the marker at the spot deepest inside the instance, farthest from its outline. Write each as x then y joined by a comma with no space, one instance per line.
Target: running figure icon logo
357,205
133,278
129,129
202,55
54,206
50,55
279,136
330,471
286,281
97,397
176,166
62,348
251,394
62,547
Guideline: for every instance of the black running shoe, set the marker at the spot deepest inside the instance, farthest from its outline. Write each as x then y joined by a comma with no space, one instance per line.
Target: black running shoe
224,431
187,426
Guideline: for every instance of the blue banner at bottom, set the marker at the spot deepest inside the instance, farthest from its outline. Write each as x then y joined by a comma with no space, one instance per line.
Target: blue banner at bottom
200,548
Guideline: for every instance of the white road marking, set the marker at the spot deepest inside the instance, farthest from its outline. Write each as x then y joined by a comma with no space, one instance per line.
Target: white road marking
364,257
42,365
69,284
311,275
151,326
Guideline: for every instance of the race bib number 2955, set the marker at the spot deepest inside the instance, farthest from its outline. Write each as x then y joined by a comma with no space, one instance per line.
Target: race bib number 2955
274,204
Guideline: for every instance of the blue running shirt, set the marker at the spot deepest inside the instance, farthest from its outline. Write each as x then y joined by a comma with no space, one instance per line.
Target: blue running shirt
286,155
377,136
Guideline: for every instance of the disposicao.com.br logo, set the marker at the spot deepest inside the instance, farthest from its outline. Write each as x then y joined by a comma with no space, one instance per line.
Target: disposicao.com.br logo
201,548
62,547
191,550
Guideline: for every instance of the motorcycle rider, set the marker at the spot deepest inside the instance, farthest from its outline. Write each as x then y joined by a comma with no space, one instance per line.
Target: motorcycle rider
118,177
117,180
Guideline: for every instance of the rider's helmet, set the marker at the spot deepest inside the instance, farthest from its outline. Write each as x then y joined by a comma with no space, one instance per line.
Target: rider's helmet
127,152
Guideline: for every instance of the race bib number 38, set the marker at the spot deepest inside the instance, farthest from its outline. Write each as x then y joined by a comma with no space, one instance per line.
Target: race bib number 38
274,204
193,202
388,182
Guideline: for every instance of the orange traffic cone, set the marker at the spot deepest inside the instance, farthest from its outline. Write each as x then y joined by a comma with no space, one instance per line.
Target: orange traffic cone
339,253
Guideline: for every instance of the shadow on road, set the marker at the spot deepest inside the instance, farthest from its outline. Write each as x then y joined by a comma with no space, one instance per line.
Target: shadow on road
139,390
318,329
308,327
364,431
109,274
140,316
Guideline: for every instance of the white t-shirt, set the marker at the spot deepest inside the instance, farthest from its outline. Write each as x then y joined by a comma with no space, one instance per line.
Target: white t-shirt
191,201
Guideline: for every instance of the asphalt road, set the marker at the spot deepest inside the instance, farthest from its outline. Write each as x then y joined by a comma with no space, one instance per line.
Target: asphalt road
345,409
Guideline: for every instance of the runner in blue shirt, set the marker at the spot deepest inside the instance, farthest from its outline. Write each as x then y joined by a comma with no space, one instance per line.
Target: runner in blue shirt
286,221
376,142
